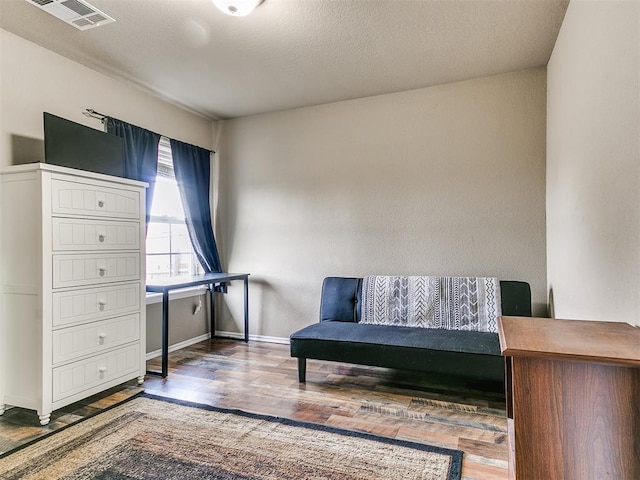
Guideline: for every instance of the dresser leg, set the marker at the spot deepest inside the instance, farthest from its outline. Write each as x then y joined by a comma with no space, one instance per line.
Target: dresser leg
44,419
140,379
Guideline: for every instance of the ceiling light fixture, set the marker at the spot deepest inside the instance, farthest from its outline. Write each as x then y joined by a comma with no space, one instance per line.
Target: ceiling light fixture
237,8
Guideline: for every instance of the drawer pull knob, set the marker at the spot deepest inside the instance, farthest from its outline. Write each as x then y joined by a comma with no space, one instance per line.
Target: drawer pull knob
101,203
102,369
102,271
102,336
102,304
101,237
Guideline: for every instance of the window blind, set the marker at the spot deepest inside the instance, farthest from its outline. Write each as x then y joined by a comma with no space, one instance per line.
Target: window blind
165,160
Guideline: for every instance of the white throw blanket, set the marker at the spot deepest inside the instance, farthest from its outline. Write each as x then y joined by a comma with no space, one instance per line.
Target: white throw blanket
453,303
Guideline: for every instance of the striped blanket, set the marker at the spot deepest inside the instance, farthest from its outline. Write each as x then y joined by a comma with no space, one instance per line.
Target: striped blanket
453,303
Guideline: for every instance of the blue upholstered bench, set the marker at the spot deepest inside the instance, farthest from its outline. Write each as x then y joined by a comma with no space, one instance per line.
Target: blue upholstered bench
340,337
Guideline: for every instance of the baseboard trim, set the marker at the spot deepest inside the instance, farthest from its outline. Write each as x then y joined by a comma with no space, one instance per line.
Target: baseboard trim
178,346
220,334
255,338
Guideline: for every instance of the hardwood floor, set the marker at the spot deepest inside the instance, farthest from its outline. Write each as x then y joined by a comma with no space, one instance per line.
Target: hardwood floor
262,378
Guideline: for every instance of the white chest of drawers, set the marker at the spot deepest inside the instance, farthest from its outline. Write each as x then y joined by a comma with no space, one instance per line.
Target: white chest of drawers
72,269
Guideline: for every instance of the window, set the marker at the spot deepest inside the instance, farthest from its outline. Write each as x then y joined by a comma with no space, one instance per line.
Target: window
169,250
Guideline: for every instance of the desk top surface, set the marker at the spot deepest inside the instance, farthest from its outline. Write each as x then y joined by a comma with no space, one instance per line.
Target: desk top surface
582,340
170,283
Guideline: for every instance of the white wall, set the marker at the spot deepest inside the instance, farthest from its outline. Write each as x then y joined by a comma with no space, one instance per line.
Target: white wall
34,80
593,163
444,181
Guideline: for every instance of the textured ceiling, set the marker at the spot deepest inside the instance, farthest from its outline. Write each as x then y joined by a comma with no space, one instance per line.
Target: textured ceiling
295,53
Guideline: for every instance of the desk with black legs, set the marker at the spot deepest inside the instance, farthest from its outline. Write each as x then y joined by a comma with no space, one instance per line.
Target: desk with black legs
216,282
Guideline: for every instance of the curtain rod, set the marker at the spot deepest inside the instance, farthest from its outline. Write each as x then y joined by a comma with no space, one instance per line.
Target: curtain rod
91,113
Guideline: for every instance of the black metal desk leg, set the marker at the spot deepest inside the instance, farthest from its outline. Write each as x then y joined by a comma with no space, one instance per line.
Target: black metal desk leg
212,315
165,333
246,309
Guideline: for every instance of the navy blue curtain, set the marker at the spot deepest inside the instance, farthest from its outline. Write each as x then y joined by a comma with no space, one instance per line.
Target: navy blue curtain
140,154
192,167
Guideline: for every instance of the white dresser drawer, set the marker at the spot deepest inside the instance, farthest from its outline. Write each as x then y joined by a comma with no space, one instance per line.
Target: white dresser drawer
81,234
94,303
88,199
87,269
74,342
71,379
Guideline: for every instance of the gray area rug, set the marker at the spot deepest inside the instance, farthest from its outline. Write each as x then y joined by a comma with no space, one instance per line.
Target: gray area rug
151,437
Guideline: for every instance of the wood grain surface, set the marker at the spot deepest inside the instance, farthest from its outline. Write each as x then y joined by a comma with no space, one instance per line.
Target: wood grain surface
602,342
576,412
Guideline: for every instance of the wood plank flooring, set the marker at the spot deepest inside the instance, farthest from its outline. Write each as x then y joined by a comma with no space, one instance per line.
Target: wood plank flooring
262,378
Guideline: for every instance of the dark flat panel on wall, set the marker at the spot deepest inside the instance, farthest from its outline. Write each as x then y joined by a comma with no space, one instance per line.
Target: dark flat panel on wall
73,145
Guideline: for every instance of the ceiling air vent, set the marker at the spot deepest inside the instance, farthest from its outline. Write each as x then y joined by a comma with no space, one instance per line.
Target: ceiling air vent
74,12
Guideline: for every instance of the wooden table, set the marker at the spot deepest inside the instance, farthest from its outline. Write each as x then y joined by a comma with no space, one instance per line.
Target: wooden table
214,280
573,398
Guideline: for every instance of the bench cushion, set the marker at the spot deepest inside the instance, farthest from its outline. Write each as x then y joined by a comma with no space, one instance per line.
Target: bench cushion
482,343
341,299
477,354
